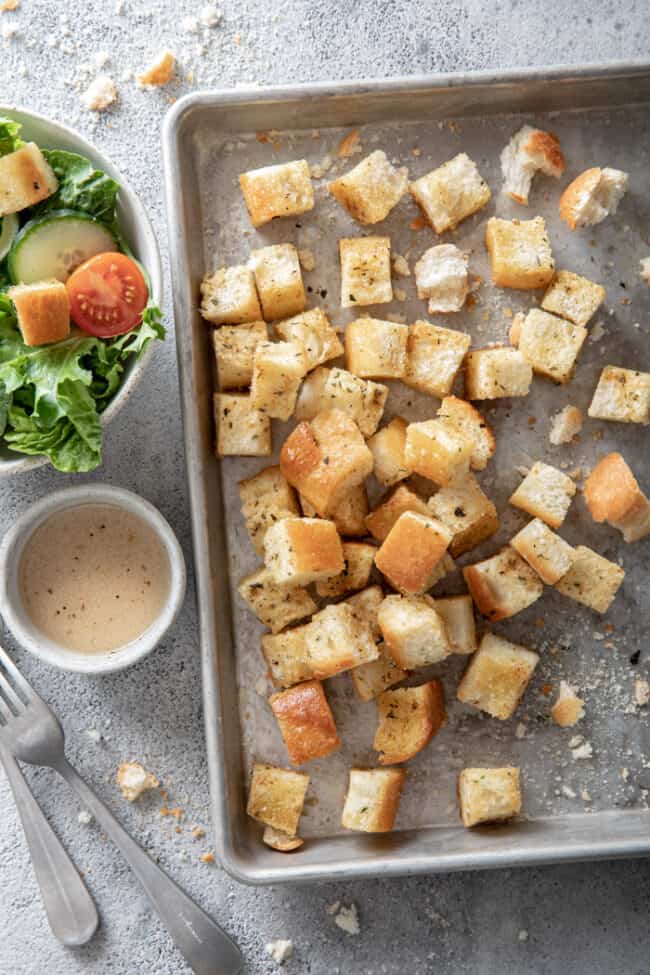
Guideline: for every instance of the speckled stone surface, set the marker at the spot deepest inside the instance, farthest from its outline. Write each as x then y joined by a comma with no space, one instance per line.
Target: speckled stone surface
583,918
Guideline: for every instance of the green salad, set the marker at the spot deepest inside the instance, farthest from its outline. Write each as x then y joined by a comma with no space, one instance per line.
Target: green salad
75,305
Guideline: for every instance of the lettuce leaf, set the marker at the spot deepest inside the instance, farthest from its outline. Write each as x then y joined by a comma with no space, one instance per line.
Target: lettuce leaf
81,187
9,137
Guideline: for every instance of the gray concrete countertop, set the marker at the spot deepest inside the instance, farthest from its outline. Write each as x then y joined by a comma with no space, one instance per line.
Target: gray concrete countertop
582,918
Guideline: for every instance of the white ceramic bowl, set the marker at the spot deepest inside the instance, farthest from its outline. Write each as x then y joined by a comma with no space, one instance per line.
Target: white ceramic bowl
137,230
11,604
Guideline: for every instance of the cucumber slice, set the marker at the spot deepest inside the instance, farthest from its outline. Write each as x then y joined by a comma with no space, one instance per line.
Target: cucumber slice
8,230
54,245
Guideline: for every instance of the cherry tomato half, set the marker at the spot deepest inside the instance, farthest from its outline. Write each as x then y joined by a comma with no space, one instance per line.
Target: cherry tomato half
107,295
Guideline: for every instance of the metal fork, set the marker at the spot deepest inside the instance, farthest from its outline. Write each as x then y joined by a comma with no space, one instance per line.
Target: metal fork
33,734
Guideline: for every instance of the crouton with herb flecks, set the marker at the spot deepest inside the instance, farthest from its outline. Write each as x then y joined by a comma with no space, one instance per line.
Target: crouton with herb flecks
472,426
434,357
592,580
375,349
548,554
266,497
520,253
545,493
372,679
363,606
550,344
488,795
241,430
622,395
413,631
497,676
573,297
411,551
497,372
409,717
503,584
371,190
26,178
229,297
275,606
283,190
382,518
436,450
42,310
278,280
298,551
372,799
278,369
358,560
387,447
451,193
349,514
466,511
328,389
276,797
234,351
365,271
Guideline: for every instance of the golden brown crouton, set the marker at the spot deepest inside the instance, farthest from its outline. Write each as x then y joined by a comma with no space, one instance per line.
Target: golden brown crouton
234,351
230,296
25,179
545,493
497,676
622,395
241,430
358,559
380,521
550,344
613,495
548,554
497,372
298,551
457,613
278,280
266,497
568,709
572,297
280,841
375,349
365,271
503,584
338,389
363,606
409,717
274,605
592,580
437,450
434,357
371,190
411,551
278,369
466,511
306,722
450,193
312,330
372,679
528,152
43,311
472,426
372,799
520,253
413,631
387,448
349,515
277,191
276,797
592,196
488,795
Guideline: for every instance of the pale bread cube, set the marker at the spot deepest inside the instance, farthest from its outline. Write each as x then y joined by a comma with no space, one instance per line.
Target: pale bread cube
306,722
234,351
497,372
387,448
592,196
371,190
550,344
278,370
434,357
372,679
409,717
358,560
457,613
286,656
441,276
566,424
26,178
450,193
276,797
283,190
414,634
471,425
410,553
545,493
520,253
529,151
274,605
349,515
569,708
573,297
488,795
503,584
382,518
436,450
43,311
313,330
365,271
266,497
613,495
278,280
622,395
229,296
592,580
497,676
548,554
375,349
241,430
364,606
372,799
325,459
466,511
298,551
327,389
280,841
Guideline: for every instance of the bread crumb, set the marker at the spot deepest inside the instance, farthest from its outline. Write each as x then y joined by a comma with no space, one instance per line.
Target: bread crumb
597,332
207,858
190,24
349,145
8,5
84,817
319,170
197,832
101,93
176,812
520,731
585,795
279,950
645,269
400,266
210,16
582,751
399,294
418,223
347,919
333,908
641,692
133,779
306,258
523,935
567,791
565,425
94,735
160,72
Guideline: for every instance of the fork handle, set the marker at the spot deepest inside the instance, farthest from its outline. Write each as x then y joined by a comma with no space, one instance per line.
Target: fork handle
205,946
69,907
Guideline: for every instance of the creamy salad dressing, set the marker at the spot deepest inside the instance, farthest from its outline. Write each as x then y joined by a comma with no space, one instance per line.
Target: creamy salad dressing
94,577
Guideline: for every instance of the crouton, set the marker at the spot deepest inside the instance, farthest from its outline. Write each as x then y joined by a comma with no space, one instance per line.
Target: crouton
437,450
613,495
414,634
363,606
278,280
622,395
380,521
592,580
372,799
325,459
25,179
566,424
372,679
159,72
503,584
497,372
441,277
43,311
266,497
466,511
358,558
592,196
298,551
411,551
434,357
387,448
371,190
229,297
548,554
520,253
349,515
365,271
409,717
569,708
234,350
529,151
550,344
241,430
472,426
274,605
280,841
283,190
313,330
375,349
278,369
306,722
488,795
451,193
572,297
276,797
545,493
457,613
327,389
497,676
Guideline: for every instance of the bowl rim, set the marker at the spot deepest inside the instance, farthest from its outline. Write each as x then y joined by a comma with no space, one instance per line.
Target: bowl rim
35,642
129,200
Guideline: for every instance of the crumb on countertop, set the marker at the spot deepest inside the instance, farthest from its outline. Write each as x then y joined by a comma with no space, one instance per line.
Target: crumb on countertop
133,779
100,94
160,71
347,919
280,950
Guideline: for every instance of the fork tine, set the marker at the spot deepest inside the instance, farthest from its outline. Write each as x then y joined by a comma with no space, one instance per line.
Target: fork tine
9,694
5,712
16,675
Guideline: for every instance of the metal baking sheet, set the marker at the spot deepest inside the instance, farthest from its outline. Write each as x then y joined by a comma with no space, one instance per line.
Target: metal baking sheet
574,809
